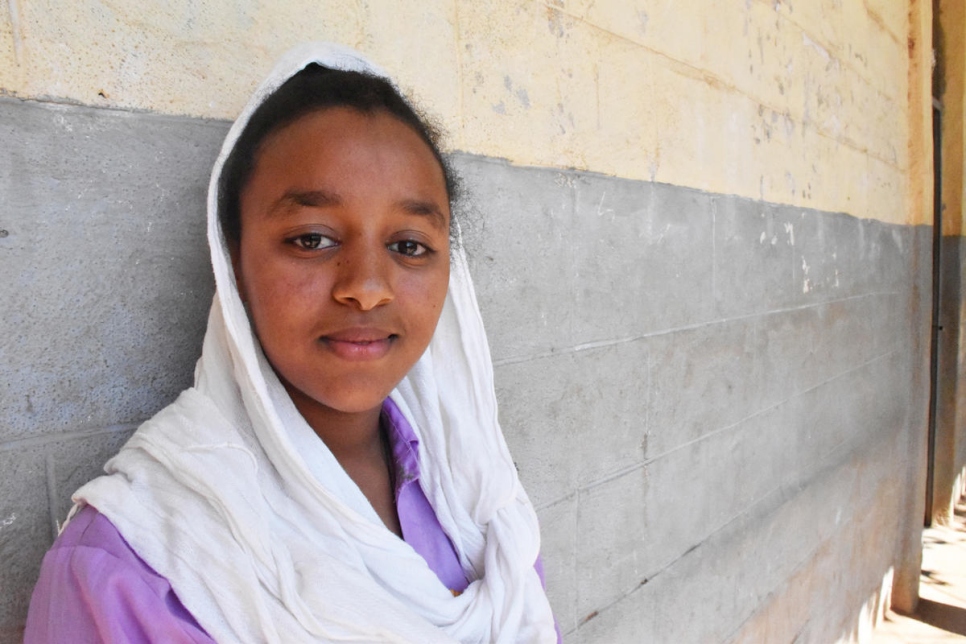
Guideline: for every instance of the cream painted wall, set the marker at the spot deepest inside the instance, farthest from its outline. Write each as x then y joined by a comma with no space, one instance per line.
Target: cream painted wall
919,193
952,25
796,101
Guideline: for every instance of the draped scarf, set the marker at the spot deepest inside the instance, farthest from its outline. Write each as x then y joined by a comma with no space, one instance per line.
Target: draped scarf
229,494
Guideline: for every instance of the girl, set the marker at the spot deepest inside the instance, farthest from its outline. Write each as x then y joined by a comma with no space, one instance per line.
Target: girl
337,472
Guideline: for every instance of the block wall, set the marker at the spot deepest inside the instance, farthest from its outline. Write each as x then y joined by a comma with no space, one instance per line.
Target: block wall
796,102
718,404
708,397
696,234
951,337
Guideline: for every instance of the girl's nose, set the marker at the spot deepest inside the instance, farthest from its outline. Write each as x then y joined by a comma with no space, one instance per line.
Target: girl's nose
363,280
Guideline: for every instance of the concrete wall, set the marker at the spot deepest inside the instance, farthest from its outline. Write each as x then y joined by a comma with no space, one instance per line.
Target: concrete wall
105,293
695,231
718,405
951,398
950,447
804,103
712,400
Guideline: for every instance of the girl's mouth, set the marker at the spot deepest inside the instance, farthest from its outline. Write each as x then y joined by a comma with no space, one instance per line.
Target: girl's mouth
359,344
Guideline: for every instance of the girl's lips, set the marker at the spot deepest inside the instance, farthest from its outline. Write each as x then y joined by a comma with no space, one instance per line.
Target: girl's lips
359,344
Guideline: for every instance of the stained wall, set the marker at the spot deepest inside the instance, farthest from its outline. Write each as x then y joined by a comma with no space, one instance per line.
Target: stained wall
696,232
794,102
950,462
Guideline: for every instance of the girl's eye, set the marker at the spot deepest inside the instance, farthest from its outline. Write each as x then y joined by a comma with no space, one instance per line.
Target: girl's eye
312,241
409,248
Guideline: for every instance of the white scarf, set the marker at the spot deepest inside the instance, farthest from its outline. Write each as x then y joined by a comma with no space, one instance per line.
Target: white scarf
230,495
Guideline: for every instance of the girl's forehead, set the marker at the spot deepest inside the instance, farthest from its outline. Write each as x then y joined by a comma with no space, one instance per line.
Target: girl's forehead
342,121
339,154
338,130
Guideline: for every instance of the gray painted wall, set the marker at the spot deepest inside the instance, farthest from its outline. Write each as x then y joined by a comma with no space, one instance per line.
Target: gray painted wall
951,400
717,404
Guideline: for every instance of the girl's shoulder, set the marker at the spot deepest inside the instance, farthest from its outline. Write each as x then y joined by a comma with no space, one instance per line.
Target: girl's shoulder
94,587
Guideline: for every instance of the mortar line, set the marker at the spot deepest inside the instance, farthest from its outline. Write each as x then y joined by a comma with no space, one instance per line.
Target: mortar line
714,254
650,460
798,568
643,464
600,344
840,56
781,490
699,71
797,488
777,490
559,499
50,466
649,578
573,556
571,221
765,600
696,73
36,441
627,469
460,72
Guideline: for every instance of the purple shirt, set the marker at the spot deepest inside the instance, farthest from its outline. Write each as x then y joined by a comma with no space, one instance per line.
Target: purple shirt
94,588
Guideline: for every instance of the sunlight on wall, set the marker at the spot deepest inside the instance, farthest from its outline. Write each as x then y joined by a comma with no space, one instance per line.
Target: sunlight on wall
793,102
871,614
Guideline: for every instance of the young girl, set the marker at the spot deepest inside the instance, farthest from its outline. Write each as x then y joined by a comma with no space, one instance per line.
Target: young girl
337,472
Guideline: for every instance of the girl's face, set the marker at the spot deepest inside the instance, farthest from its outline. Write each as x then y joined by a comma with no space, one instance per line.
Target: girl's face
344,255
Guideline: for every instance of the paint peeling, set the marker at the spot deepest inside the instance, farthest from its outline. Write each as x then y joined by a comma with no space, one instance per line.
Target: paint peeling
14,12
807,284
564,180
8,521
790,231
555,23
520,93
65,124
653,165
486,51
601,211
643,19
761,240
808,42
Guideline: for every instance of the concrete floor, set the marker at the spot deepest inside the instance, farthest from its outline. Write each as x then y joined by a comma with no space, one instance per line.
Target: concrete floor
942,589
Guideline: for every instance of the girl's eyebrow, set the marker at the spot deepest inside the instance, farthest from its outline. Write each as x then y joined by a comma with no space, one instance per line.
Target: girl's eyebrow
307,198
324,198
426,208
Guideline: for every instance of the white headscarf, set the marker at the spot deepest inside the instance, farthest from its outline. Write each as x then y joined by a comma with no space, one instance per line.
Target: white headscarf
230,495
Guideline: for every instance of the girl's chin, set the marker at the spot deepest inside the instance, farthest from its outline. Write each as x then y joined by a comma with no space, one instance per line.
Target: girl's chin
353,400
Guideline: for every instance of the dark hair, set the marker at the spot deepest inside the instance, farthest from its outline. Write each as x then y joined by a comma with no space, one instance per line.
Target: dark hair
312,89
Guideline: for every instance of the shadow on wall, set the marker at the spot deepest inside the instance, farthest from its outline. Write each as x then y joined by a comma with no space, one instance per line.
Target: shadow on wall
872,612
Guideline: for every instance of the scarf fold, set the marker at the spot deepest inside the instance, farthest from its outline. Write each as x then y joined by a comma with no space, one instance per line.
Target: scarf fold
229,494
